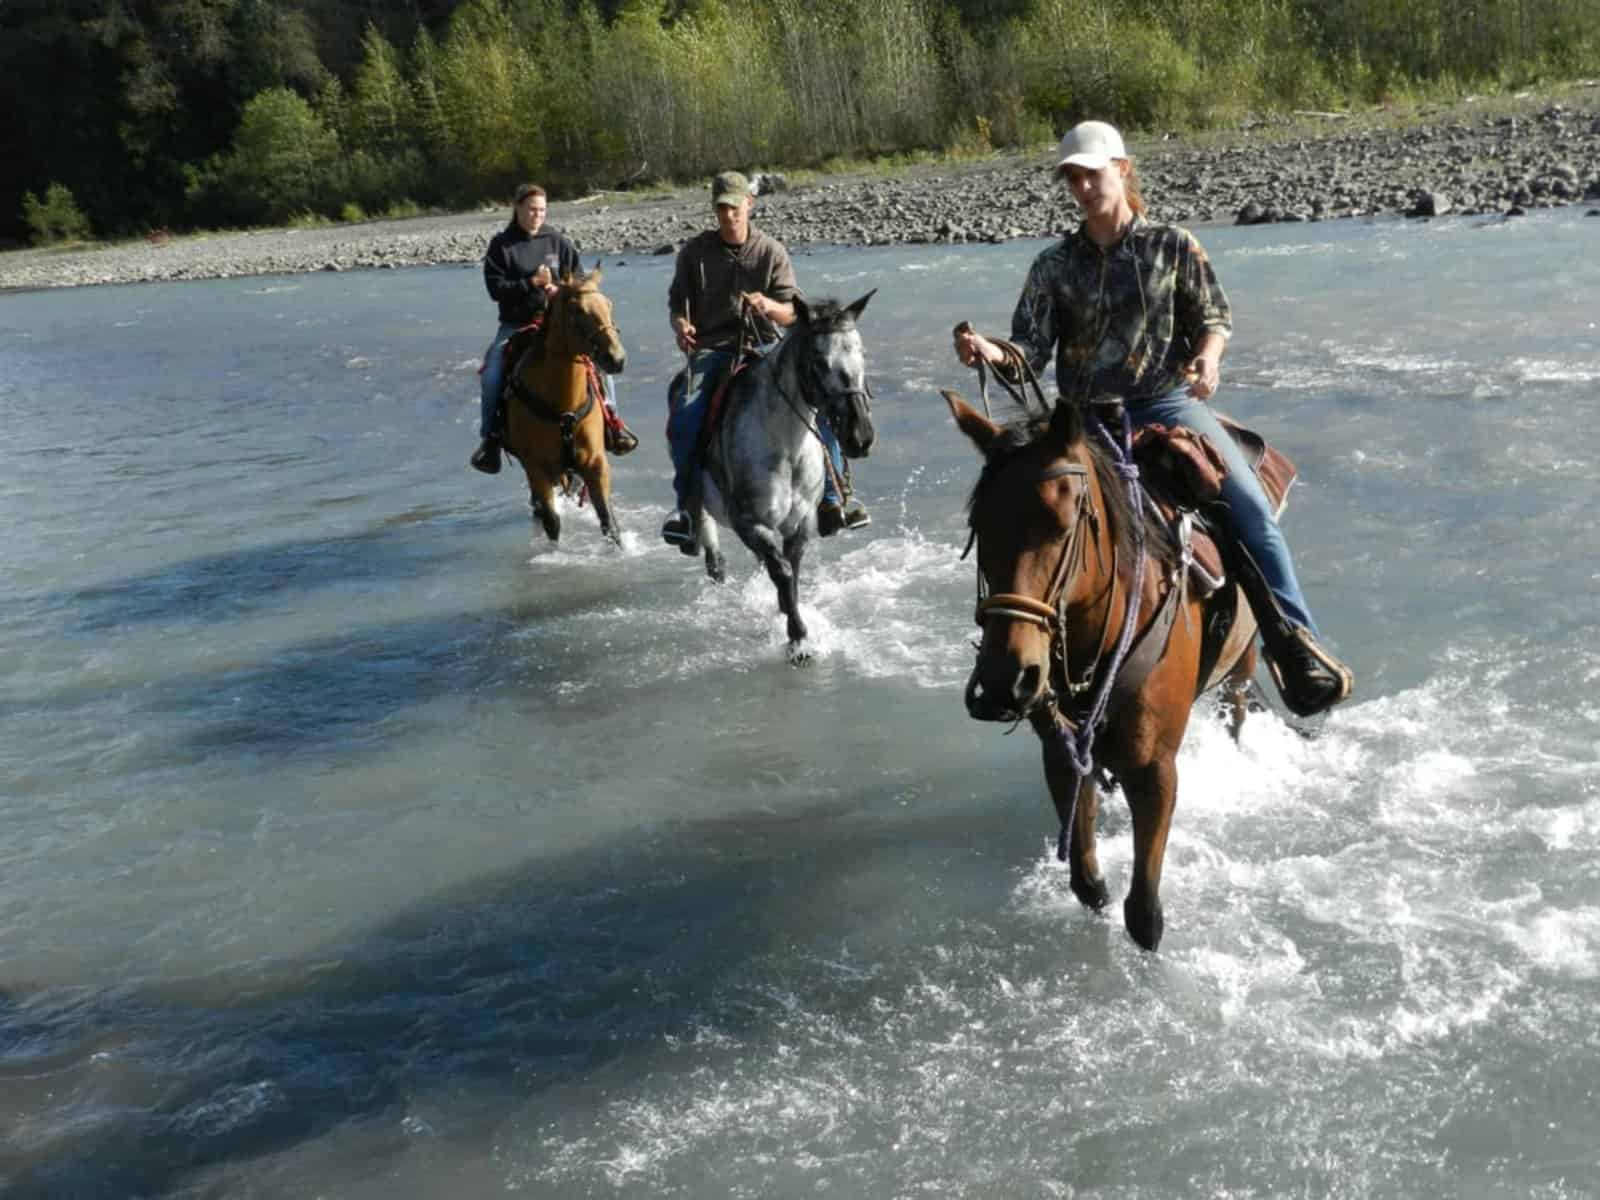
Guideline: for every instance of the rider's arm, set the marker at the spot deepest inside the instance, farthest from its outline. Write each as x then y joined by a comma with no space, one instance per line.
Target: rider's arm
680,293
1203,315
781,287
1035,323
680,298
499,274
1201,305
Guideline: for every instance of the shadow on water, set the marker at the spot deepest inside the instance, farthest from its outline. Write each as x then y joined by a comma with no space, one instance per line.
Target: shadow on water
512,985
224,585
342,690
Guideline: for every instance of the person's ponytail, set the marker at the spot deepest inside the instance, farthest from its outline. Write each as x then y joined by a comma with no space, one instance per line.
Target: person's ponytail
1130,184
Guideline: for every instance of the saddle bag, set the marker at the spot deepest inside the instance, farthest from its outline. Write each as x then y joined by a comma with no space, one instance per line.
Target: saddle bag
1186,461
1182,473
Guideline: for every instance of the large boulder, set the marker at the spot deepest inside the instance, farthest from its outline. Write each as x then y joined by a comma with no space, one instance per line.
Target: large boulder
1253,213
1429,204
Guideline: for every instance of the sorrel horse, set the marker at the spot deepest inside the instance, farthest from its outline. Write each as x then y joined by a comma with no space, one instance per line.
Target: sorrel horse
1091,634
554,423
764,462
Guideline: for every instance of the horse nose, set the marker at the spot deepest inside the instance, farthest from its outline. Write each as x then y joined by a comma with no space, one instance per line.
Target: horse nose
1025,687
998,698
861,435
619,360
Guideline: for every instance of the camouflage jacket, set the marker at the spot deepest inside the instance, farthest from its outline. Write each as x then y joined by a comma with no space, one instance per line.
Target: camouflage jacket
1121,320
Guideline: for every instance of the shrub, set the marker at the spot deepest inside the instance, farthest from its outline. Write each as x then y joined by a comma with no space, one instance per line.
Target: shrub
284,161
56,218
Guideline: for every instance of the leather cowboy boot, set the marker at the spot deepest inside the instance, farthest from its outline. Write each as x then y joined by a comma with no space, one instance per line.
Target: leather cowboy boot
486,457
620,439
833,516
1309,679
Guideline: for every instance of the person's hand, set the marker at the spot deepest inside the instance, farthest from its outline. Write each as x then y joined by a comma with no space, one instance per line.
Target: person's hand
683,330
972,347
542,279
1203,374
758,303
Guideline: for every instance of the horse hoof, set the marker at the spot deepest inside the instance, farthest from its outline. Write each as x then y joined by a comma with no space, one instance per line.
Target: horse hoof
799,654
1145,925
715,568
1091,893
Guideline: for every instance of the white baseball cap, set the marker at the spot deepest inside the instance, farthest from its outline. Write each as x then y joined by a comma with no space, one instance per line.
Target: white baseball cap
1091,144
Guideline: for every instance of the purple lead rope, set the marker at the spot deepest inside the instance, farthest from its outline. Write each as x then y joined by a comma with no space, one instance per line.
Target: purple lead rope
1079,745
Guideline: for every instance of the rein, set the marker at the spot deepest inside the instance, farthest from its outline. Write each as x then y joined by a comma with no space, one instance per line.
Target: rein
1015,364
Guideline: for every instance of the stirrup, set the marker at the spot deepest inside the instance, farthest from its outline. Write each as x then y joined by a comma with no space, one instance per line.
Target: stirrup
620,439
679,531
1295,641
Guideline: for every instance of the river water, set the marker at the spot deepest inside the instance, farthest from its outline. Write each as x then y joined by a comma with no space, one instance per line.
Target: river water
352,844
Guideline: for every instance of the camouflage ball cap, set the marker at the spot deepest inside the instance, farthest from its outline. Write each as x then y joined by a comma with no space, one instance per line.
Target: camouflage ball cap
729,187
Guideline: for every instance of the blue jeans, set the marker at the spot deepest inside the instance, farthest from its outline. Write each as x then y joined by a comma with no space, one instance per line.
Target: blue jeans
492,379
686,417
1244,506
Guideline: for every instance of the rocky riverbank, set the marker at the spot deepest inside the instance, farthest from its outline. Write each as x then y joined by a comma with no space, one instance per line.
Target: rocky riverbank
1505,155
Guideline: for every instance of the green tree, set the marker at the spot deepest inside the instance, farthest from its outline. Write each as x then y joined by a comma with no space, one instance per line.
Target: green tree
284,161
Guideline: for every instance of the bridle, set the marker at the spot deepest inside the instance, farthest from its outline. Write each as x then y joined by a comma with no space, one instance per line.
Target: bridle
824,399
599,332
1049,612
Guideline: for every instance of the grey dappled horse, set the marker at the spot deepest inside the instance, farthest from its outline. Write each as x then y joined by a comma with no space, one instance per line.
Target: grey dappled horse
764,466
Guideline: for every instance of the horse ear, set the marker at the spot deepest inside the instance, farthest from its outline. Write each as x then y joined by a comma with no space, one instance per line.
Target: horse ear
856,309
802,310
979,429
1066,423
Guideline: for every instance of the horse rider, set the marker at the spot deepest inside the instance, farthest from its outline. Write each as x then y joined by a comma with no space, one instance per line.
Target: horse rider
520,270
1134,308
726,278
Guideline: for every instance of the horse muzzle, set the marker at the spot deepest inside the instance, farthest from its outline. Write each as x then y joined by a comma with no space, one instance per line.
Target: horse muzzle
611,359
1006,695
856,435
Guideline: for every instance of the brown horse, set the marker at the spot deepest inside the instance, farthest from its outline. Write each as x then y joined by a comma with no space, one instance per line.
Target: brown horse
1091,633
554,420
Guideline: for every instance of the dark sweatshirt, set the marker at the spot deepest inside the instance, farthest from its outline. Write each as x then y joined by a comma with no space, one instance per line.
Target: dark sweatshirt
512,258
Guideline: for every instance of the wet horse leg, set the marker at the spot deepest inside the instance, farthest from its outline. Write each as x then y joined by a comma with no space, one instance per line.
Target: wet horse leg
542,502
1236,690
1083,861
764,543
597,477
1152,791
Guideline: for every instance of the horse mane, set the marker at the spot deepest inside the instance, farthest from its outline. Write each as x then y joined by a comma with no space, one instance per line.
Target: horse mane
579,284
1019,436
